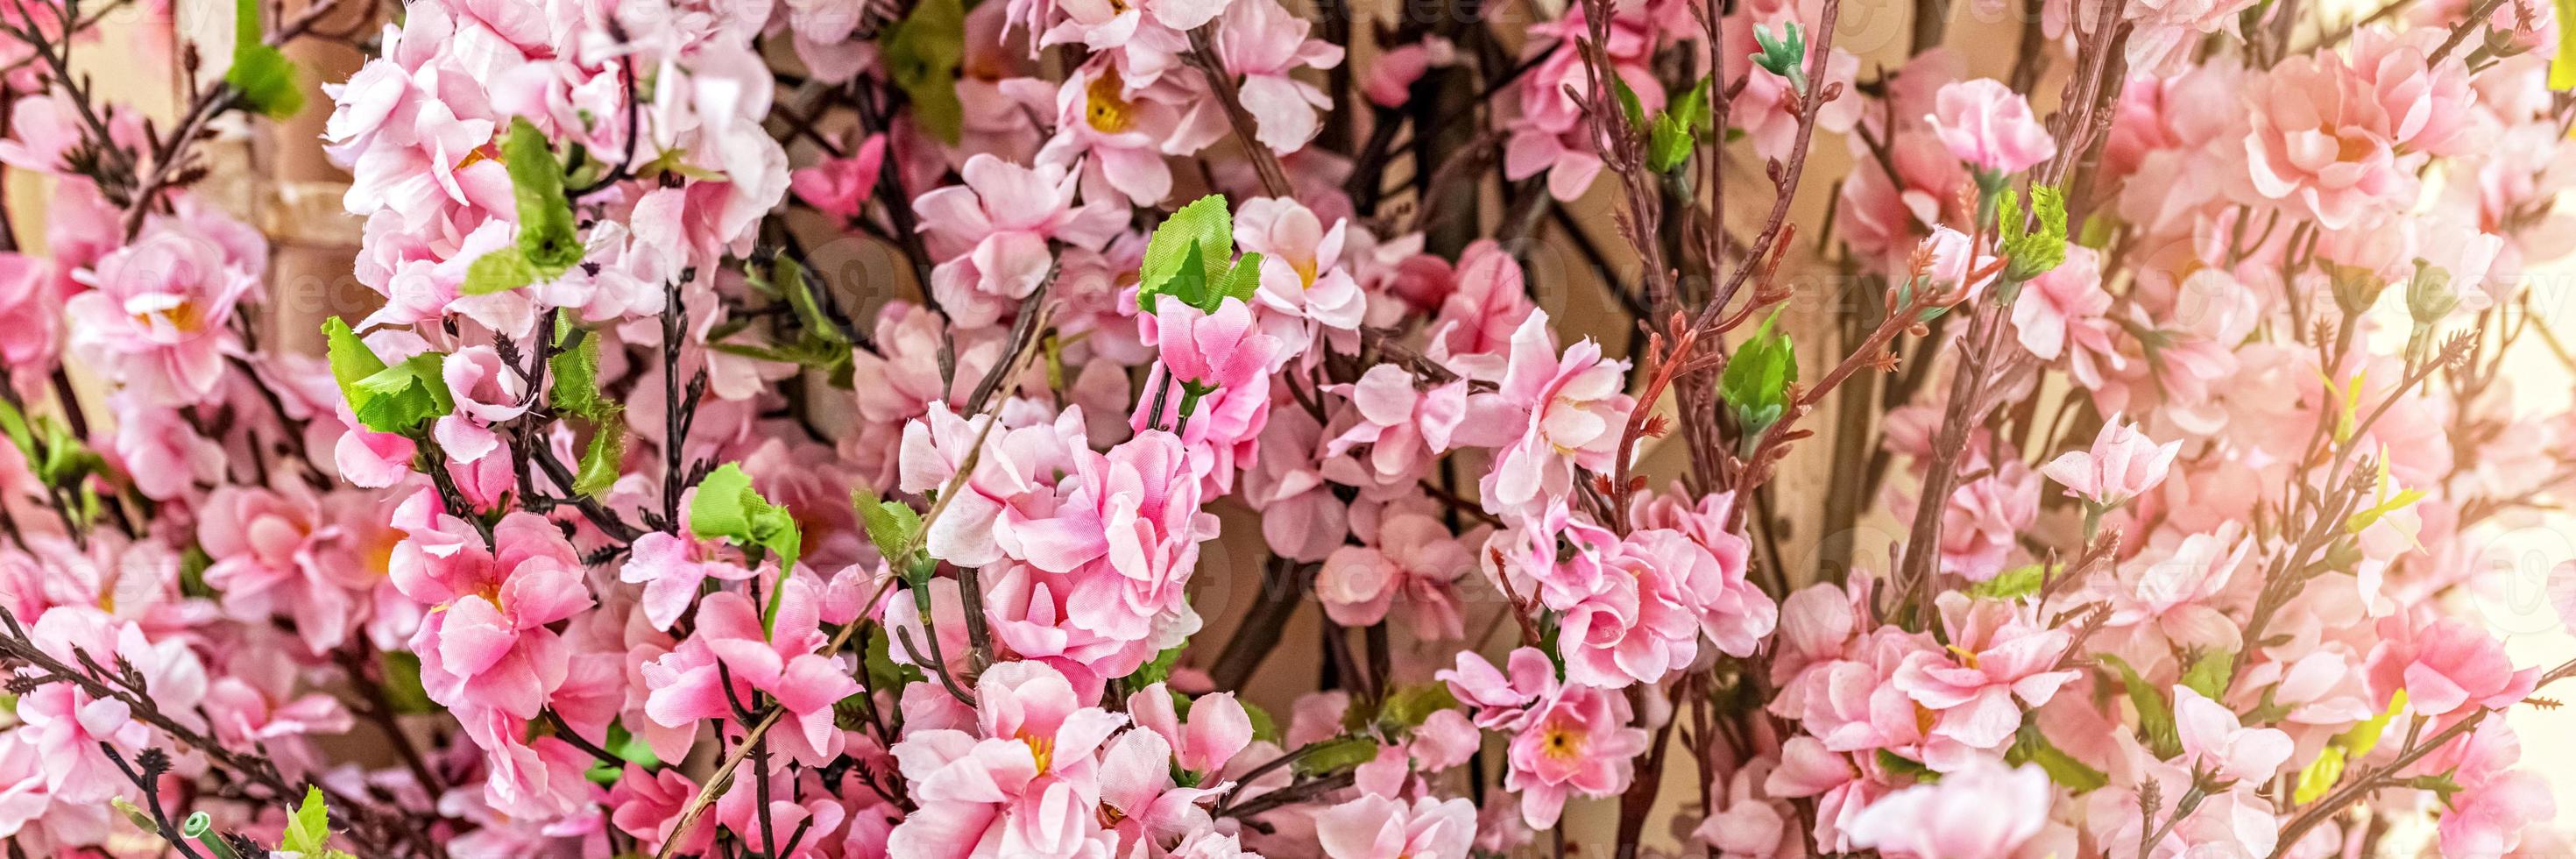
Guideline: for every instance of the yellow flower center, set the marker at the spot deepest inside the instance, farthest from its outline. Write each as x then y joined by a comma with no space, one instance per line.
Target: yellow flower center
183,317
1041,750
1105,105
1561,744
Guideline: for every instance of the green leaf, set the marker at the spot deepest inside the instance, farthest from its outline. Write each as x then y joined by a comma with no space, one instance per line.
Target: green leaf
1676,133
1757,379
546,226
576,374
893,526
601,460
921,53
308,830
2209,674
1410,705
2364,736
1326,757
2031,746
2155,714
789,278
398,398
1902,765
499,271
2031,254
1199,239
402,682
351,360
727,507
2014,583
262,74
1629,106
1156,670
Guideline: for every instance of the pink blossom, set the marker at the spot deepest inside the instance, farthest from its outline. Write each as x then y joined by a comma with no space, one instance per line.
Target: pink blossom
1996,656
672,567
1377,827
1403,427
1262,41
280,553
1416,558
2319,141
2445,666
1022,782
1212,350
1500,701
30,294
1217,730
780,661
159,316
2213,739
1126,534
485,642
1573,412
1989,127
1983,810
1578,743
841,187
1303,281
2123,464
992,234
1120,130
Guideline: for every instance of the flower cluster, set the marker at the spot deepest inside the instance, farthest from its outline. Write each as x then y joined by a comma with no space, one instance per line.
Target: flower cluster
842,430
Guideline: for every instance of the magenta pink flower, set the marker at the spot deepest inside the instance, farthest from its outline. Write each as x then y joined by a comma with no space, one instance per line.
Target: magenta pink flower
486,641
841,187
1126,534
1990,127
2123,464
2445,666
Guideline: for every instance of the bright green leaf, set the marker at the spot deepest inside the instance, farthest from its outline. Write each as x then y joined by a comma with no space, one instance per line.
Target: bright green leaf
1199,237
265,78
399,397
308,830
2209,674
546,226
2319,776
499,271
351,360
601,460
2014,583
2562,66
1757,378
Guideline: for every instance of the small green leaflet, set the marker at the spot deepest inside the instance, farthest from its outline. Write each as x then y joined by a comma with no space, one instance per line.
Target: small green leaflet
576,393
2031,746
549,242
1191,257
2031,254
892,526
2210,673
308,830
385,398
600,459
1326,757
261,73
726,507
921,55
2011,584
1409,706
1676,130
1757,379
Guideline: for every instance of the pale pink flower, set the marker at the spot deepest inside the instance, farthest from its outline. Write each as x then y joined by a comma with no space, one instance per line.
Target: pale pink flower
2320,140
1120,130
1996,656
672,567
2123,464
1218,727
1303,280
1262,41
1404,428
1390,77
2175,593
1984,810
647,805
1572,410
1990,127
278,553
2215,741
781,661
1500,701
159,318
1377,827
30,321
1125,535
991,234
1416,558
2062,314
